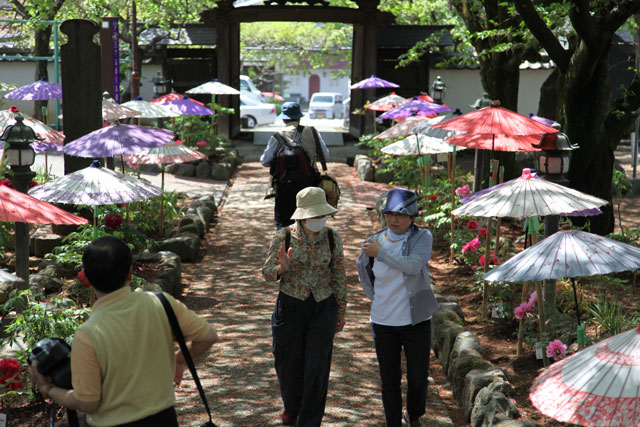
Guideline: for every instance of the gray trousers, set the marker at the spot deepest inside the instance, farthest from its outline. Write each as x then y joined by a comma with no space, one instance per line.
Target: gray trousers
302,344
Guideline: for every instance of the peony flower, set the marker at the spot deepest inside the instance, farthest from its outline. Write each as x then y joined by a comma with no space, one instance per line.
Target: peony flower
463,191
6,182
556,349
492,260
113,221
472,225
14,109
533,298
522,310
9,374
472,245
179,142
434,196
83,279
482,232
201,143
33,183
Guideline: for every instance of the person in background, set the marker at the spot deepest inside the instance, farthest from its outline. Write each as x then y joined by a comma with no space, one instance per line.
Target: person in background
305,136
394,273
123,360
310,307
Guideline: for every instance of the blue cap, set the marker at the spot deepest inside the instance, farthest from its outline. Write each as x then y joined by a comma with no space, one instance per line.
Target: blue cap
402,201
290,111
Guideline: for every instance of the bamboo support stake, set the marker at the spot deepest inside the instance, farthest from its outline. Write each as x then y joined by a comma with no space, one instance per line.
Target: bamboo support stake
499,220
525,294
541,320
486,287
452,172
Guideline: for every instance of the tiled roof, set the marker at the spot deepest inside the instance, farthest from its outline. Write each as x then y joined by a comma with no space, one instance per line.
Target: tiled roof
189,35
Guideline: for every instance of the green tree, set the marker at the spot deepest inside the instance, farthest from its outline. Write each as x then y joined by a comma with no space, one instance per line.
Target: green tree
584,106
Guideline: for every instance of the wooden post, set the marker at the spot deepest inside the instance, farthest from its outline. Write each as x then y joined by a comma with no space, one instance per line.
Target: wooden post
487,285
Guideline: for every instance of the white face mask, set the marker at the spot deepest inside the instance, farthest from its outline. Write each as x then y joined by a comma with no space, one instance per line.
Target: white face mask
316,224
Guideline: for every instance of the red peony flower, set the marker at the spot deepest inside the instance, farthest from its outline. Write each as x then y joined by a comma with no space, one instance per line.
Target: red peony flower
9,374
482,232
435,196
472,225
33,183
6,182
113,221
14,109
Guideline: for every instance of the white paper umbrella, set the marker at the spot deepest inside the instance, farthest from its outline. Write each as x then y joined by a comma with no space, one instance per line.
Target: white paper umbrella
598,386
48,134
404,128
167,153
529,196
114,111
426,128
148,110
8,277
95,186
567,253
213,87
418,145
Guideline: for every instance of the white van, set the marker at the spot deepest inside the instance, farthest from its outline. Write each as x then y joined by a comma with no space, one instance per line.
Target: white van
326,105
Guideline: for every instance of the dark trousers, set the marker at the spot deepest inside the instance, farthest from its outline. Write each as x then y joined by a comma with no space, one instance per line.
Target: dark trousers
302,344
416,342
284,208
165,418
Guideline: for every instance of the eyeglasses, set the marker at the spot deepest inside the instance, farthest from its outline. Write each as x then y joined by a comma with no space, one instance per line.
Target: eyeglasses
396,214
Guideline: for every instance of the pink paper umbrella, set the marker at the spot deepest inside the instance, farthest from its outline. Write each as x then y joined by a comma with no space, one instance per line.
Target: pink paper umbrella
41,90
373,82
187,106
596,387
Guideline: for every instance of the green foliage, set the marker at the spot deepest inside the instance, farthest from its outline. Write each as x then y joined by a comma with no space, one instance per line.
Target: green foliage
7,239
609,316
59,317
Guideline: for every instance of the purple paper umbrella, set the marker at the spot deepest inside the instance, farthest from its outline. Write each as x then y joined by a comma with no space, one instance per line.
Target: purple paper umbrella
415,108
117,139
41,90
542,120
372,83
187,106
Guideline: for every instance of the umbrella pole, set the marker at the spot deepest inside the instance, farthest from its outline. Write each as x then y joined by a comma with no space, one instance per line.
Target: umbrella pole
499,220
541,321
453,200
485,293
525,293
95,222
160,226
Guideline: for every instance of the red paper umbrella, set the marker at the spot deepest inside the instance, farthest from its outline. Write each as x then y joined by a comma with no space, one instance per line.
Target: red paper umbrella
424,97
20,207
495,120
171,97
499,142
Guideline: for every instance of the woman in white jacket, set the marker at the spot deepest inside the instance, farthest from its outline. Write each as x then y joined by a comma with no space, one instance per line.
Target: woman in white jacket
394,273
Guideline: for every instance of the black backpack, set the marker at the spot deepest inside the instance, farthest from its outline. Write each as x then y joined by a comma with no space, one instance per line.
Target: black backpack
291,170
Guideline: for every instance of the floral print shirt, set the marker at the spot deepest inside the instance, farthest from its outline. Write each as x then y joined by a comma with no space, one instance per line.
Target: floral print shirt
313,268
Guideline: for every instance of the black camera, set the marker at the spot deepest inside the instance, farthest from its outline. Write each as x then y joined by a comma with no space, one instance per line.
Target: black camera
53,359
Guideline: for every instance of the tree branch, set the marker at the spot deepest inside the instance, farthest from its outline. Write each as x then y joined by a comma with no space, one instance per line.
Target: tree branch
619,14
586,27
541,32
623,113
20,9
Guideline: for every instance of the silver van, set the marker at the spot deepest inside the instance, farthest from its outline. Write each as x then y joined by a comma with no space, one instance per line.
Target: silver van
326,105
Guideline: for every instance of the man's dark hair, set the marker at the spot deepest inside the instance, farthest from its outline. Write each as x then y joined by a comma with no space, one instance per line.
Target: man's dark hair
106,262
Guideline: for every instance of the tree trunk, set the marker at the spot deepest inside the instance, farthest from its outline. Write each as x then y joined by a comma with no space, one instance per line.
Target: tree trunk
41,48
583,105
548,96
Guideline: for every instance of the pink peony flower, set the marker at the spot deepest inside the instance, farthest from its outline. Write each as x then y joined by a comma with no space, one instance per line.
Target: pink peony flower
201,143
6,182
179,142
522,310
472,245
463,191
472,225
533,298
482,232
556,349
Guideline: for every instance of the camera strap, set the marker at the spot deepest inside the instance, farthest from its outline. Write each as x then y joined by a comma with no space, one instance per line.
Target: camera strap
177,332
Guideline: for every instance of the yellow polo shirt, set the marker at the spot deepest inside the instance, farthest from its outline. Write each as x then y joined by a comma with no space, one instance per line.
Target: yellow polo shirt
124,355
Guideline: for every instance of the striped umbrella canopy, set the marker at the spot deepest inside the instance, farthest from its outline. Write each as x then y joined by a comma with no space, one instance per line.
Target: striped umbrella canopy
117,139
419,145
387,103
415,107
542,120
595,387
41,90
566,254
170,97
149,110
213,87
94,186
186,106
19,207
404,128
46,133
114,111
529,196
426,127
166,153
498,142
372,82
46,147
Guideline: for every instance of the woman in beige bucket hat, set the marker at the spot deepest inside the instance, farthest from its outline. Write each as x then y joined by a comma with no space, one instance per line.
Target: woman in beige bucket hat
308,260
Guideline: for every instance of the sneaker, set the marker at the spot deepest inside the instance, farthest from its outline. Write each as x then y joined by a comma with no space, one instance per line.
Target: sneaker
287,419
411,423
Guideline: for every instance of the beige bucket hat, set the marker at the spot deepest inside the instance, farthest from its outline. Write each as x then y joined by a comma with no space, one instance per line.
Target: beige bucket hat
312,202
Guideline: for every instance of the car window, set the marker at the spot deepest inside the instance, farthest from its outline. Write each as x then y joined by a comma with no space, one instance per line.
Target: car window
245,100
323,98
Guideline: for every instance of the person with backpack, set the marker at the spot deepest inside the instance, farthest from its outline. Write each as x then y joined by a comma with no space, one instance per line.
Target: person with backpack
308,261
394,273
291,156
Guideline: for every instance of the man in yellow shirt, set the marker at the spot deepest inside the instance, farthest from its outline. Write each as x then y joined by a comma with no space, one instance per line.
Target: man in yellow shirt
123,358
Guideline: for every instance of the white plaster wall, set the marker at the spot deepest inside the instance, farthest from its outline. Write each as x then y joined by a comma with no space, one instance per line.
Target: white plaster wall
464,87
299,83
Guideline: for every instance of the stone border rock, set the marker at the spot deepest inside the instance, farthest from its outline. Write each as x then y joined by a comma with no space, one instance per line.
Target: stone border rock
367,172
